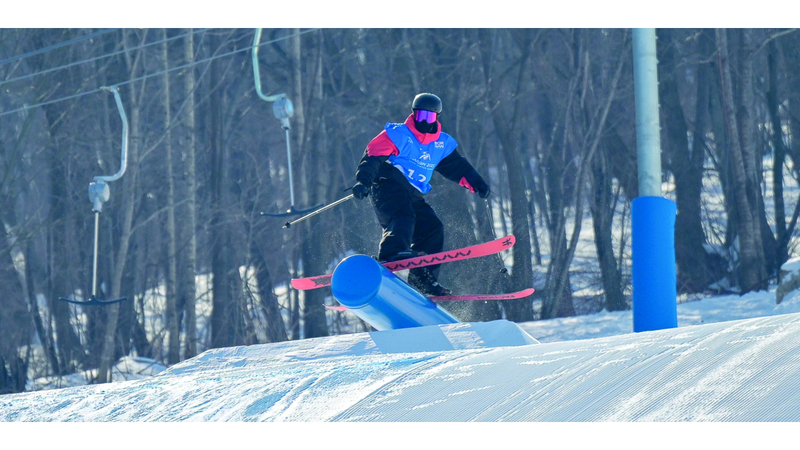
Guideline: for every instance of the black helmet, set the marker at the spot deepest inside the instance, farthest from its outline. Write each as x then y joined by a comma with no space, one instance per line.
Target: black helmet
428,102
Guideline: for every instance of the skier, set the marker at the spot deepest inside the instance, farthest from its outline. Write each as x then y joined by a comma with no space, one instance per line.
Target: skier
396,169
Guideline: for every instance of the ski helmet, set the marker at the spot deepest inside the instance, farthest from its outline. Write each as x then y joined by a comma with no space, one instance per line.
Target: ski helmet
428,102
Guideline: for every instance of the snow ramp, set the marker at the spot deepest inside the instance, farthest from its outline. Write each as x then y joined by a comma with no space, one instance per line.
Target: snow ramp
747,370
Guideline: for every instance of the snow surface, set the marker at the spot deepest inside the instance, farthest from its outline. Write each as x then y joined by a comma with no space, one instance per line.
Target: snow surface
126,369
730,359
792,265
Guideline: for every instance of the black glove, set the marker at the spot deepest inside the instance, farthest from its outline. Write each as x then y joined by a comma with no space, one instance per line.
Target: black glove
482,188
360,191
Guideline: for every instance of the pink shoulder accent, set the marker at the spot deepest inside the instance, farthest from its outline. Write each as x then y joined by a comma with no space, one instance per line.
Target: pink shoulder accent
381,146
465,183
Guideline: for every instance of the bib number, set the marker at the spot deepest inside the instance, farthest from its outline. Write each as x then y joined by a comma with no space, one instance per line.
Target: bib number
421,178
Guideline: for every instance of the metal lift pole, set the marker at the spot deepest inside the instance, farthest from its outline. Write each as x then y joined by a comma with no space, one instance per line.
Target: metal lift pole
283,110
99,193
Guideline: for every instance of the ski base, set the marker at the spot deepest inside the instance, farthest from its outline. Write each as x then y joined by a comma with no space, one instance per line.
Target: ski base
511,296
469,297
474,251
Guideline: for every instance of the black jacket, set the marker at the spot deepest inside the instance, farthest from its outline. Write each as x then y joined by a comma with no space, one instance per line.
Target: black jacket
454,167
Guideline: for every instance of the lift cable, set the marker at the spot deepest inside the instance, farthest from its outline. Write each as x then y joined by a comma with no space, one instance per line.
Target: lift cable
143,77
55,46
95,58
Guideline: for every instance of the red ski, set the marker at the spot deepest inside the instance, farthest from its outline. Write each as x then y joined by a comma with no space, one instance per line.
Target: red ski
451,298
473,251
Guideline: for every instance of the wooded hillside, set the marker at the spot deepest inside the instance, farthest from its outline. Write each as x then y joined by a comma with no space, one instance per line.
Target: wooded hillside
545,115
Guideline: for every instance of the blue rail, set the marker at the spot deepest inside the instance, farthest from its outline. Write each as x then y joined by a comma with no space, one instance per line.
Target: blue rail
381,298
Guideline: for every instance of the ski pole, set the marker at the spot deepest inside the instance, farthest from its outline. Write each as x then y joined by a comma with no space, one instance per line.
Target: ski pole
341,200
491,226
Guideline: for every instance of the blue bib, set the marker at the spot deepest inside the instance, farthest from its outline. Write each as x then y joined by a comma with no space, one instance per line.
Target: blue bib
417,160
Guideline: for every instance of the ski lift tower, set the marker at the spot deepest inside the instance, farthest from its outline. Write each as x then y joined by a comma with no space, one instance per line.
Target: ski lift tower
652,216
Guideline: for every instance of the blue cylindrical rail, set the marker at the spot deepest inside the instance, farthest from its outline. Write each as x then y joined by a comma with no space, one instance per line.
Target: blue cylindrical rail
381,298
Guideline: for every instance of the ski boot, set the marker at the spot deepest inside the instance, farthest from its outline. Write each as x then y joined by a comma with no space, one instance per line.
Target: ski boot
423,280
405,254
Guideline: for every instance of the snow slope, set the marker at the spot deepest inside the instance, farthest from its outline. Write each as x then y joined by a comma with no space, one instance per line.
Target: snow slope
740,370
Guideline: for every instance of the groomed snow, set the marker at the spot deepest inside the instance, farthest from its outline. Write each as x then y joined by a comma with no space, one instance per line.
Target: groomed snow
742,370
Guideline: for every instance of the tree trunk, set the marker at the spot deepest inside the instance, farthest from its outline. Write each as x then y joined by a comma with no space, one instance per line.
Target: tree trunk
127,191
747,117
687,163
602,207
275,328
187,290
226,315
312,166
554,174
60,283
13,311
222,326
42,332
752,270
560,180
779,158
508,131
173,330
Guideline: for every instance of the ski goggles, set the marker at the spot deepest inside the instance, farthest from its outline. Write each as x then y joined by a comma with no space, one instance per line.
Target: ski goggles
422,115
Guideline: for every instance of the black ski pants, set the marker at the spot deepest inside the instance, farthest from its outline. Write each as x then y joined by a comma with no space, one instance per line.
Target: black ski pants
407,221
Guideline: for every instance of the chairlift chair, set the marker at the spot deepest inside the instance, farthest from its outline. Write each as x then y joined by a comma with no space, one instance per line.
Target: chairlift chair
99,193
283,110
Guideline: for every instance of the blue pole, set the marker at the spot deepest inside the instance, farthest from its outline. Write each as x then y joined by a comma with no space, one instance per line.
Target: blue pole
653,264
381,298
652,216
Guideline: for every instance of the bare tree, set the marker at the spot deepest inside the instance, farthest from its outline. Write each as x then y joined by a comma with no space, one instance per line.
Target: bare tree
187,290
507,118
173,347
127,204
752,267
